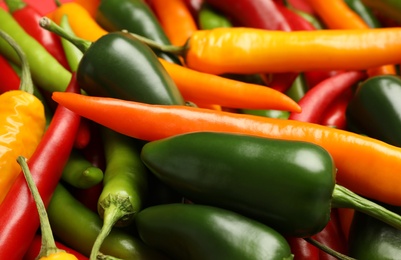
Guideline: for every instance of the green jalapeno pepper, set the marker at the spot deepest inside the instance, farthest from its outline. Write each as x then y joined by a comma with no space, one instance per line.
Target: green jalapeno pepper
136,17
375,109
190,231
287,185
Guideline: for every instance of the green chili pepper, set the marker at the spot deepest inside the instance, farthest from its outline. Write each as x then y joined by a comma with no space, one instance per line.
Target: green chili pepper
189,231
77,226
298,88
124,186
287,185
364,12
80,173
210,18
136,17
72,53
376,108
45,69
121,66
370,238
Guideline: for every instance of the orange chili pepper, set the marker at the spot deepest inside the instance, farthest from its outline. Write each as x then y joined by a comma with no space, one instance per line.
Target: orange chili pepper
212,89
374,174
81,22
90,6
249,50
175,19
336,14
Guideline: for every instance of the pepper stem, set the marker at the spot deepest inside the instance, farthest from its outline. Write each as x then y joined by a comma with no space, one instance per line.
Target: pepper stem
328,250
15,5
177,50
115,209
26,83
48,24
344,198
48,244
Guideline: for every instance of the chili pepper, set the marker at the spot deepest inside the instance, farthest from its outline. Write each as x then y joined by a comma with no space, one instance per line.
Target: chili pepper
210,18
298,88
364,12
308,16
49,249
375,109
301,249
83,135
213,175
204,232
214,89
46,71
35,246
314,77
73,54
9,79
296,22
372,239
81,22
23,122
267,113
389,8
302,5
90,6
80,233
80,173
175,18
46,167
318,99
88,197
28,17
212,51
132,70
194,6
334,115
158,121
124,184
134,16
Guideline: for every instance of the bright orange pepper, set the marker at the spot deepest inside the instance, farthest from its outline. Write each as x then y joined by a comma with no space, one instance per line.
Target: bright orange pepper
90,5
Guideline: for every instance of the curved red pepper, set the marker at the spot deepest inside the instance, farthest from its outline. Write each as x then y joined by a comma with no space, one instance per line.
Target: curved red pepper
334,116
34,249
9,79
18,218
28,17
315,102
303,250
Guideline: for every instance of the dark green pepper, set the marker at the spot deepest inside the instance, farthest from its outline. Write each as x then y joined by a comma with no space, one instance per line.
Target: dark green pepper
210,18
370,238
376,108
287,185
136,17
190,232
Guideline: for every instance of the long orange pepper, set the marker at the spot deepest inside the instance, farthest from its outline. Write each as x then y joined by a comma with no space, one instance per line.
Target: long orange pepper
336,14
175,19
212,89
365,165
80,20
248,50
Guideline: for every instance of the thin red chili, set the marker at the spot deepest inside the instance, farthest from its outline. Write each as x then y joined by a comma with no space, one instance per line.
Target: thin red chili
319,98
334,116
83,136
46,165
302,250
28,17
9,79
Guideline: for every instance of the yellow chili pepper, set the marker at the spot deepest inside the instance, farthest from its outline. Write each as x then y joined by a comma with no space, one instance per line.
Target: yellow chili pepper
22,123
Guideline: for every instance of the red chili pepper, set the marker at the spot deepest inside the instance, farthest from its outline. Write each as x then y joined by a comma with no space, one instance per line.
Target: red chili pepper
28,17
296,22
83,136
334,116
302,250
9,79
319,98
315,77
20,223
34,249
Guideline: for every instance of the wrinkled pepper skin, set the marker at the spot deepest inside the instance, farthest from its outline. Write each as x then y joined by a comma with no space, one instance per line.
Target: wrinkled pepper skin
197,232
257,177
120,66
136,17
370,238
375,109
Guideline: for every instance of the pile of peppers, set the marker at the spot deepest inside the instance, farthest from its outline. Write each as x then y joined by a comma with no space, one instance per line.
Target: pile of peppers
200,129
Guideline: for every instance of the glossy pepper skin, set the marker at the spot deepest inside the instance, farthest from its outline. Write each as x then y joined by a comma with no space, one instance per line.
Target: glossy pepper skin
134,16
196,232
249,175
370,238
376,109
118,65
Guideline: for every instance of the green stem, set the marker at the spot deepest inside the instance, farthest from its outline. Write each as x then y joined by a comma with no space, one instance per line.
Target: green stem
48,24
73,54
115,208
177,50
328,250
15,5
48,244
344,198
26,83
